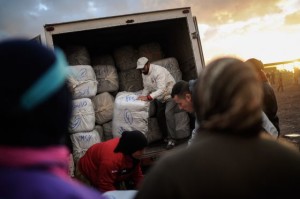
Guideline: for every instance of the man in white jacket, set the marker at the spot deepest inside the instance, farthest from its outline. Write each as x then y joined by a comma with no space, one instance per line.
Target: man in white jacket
158,84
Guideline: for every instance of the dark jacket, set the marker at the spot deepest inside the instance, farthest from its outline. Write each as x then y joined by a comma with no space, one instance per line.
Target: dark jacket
225,166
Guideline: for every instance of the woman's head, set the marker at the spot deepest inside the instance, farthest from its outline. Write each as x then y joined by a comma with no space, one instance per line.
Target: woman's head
228,97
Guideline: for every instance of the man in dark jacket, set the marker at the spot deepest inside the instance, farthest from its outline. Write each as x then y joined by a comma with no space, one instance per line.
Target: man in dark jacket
269,101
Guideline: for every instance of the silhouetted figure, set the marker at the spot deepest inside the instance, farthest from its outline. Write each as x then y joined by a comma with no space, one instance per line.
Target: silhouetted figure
280,82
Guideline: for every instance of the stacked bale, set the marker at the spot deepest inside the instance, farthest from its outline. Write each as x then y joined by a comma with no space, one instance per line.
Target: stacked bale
83,84
103,106
83,81
130,79
151,50
107,77
82,141
105,88
171,64
77,55
108,85
132,114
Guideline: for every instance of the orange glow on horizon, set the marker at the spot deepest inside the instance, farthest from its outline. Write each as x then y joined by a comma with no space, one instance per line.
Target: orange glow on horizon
288,67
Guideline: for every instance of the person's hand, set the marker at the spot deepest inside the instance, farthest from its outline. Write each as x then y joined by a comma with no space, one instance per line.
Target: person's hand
143,98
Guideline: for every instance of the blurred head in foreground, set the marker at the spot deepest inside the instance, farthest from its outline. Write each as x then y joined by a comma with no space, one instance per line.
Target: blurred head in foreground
228,98
35,100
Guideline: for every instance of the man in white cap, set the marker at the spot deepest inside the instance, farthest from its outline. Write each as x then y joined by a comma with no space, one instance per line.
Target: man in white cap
158,84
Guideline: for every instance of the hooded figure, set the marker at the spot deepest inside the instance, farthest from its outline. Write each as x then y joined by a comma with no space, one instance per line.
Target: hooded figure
114,164
36,105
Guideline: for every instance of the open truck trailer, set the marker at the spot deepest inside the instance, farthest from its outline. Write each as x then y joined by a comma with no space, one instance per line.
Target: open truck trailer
175,30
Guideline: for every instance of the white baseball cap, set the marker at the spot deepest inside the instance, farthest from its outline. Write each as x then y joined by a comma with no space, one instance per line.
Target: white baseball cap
141,62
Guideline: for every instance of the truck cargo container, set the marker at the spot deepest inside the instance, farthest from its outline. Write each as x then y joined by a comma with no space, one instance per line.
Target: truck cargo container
175,30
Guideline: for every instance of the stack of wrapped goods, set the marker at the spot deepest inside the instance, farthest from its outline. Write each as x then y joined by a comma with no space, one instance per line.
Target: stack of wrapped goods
105,88
130,79
83,85
108,86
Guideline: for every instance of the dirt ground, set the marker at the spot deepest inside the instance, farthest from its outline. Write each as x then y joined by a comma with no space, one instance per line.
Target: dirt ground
288,105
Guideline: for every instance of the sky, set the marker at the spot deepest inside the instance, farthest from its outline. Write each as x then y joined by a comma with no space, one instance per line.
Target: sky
268,30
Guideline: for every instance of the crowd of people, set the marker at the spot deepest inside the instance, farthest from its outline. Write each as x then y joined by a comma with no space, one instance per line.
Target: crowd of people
231,101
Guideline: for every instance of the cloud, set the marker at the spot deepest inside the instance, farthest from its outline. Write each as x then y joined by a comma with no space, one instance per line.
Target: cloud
225,11
28,16
218,20
293,19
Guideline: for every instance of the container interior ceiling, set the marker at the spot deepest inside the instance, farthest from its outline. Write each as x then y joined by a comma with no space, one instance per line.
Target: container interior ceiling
172,35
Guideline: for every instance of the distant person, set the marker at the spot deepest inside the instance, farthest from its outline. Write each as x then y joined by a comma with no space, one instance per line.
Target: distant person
229,158
36,105
280,82
114,164
158,83
270,106
272,77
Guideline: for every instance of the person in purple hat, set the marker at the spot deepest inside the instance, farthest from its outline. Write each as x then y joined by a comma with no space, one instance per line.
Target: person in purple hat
36,105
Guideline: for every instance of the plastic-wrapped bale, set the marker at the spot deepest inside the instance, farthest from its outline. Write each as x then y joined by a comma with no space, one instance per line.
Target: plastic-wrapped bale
107,78
82,80
130,114
125,57
104,107
103,60
154,133
130,81
77,55
83,116
107,130
152,51
171,64
82,142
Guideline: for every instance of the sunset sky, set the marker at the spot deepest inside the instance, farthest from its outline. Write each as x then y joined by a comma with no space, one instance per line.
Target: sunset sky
265,29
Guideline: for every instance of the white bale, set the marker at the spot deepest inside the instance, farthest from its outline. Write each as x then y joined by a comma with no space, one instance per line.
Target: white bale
171,64
130,113
82,81
104,107
82,142
107,78
83,116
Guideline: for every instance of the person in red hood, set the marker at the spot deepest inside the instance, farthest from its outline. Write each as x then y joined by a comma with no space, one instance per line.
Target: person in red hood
114,164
